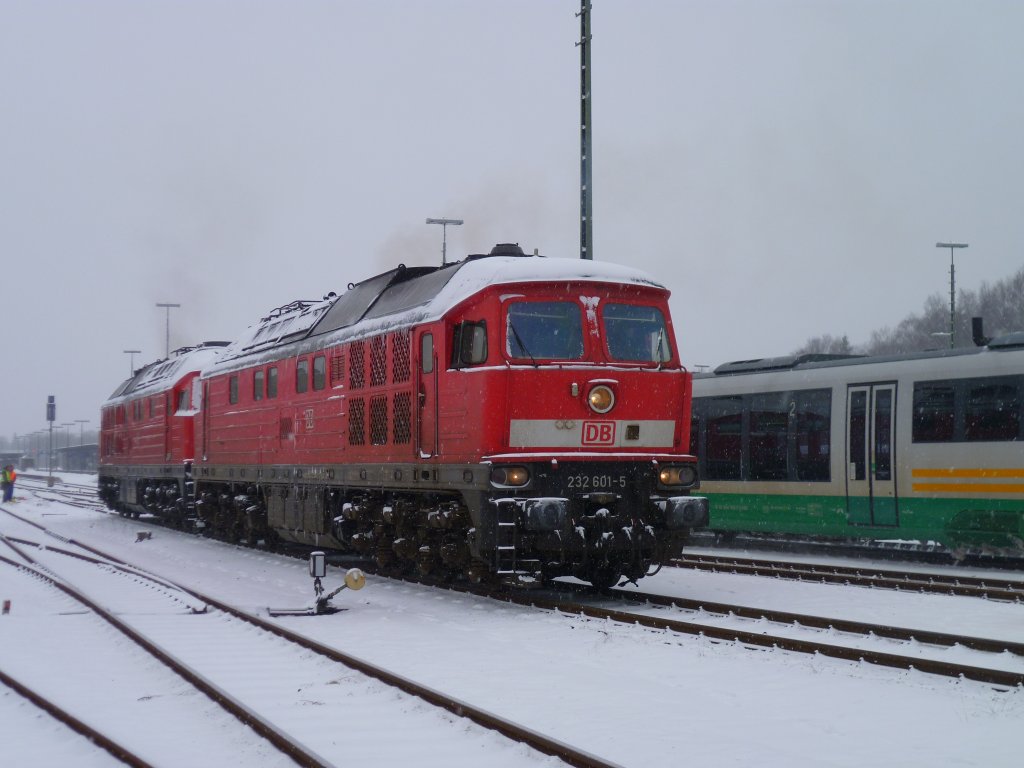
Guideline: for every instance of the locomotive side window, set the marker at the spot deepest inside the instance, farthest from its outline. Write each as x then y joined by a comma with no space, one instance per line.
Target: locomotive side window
183,404
302,376
636,333
989,410
272,382
233,389
319,372
549,330
469,344
257,385
427,353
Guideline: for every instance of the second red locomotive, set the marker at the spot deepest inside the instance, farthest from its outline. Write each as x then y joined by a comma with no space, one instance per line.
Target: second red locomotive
506,415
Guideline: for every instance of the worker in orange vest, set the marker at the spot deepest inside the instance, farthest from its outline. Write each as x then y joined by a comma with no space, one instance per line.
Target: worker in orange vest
7,482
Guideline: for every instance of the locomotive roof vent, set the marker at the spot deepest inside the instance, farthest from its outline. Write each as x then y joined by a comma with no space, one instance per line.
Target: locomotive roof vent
501,249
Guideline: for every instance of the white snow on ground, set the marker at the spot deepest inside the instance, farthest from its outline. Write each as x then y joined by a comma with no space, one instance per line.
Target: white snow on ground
633,696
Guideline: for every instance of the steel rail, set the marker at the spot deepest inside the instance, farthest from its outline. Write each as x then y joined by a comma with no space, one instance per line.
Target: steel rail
947,669
284,743
101,740
824,622
538,741
1009,590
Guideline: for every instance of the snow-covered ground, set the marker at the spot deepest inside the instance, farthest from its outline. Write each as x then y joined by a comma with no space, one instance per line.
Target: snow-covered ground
633,696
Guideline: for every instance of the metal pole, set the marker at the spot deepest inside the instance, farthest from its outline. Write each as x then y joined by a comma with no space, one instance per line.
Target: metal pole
168,307
81,431
586,138
131,360
952,288
444,235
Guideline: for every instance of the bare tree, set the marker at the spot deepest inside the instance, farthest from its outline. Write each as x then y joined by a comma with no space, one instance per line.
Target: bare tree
1001,306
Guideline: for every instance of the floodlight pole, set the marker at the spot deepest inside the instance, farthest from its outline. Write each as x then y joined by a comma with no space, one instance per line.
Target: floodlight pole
952,288
168,307
81,431
444,235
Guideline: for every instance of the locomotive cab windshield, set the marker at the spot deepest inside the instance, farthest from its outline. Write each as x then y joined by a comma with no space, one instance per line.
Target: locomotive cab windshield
554,330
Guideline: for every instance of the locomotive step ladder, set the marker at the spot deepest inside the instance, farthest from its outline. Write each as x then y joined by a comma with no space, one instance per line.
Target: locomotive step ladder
505,538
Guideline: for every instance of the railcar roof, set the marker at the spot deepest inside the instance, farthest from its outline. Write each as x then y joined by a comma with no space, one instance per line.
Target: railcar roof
409,295
162,374
818,361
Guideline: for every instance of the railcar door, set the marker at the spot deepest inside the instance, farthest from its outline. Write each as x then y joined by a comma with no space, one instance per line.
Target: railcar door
426,421
871,455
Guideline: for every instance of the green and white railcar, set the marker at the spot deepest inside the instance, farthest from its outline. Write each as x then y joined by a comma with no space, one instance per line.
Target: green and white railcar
926,447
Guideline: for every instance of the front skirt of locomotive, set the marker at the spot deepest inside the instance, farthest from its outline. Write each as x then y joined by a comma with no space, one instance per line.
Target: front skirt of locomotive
597,521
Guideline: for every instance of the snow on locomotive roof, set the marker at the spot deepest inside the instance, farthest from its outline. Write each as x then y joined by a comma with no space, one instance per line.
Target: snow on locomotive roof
162,374
409,295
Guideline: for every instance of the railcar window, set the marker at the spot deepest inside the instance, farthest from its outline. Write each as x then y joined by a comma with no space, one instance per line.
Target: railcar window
272,382
723,420
858,435
233,389
769,428
934,415
774,436
302,376
257,385
319,372
636,333
183,403
883,434
969,410
813,429
993,412
545,330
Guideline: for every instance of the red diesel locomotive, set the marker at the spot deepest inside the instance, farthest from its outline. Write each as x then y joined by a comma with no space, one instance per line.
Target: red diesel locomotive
503,416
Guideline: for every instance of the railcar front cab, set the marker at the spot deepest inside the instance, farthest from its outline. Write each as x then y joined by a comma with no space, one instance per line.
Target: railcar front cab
599,484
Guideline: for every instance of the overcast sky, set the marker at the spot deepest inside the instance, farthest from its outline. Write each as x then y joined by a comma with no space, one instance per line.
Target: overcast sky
785,167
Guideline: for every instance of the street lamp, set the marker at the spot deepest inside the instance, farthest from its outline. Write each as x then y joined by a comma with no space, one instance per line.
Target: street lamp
444,235
168,307
131,360
952,288
81,430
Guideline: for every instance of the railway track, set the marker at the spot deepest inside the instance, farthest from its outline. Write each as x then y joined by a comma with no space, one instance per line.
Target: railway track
588,602
55,710
864,576
286,744
537,741
569,602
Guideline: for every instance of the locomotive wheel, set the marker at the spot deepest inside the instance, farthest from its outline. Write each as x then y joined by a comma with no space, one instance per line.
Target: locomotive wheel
604,577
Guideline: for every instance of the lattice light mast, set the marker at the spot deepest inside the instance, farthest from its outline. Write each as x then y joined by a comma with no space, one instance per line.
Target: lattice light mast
586,143
952,288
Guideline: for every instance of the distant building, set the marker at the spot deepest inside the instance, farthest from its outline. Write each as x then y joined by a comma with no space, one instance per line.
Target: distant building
78,458
11,457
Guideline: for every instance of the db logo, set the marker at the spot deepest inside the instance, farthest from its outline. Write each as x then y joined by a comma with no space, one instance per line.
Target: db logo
598,433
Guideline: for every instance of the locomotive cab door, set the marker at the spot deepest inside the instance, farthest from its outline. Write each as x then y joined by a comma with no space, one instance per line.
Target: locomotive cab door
871,455
427,411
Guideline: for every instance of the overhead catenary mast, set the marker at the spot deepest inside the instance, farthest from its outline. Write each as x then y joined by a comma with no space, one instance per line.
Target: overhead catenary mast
586,166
